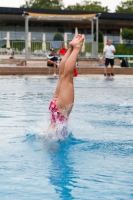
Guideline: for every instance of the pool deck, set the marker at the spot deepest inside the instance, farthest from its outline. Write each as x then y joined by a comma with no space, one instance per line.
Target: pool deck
39,67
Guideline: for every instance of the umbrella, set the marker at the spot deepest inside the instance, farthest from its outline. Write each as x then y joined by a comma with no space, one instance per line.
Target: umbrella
65,39
76,30
121,40
43,42
29,40
83,47
8,40
105,40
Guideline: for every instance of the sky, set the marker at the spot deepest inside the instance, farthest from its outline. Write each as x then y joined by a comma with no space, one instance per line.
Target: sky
17,3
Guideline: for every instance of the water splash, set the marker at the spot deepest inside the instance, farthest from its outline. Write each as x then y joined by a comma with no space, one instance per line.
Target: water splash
59,129
59,132
126,104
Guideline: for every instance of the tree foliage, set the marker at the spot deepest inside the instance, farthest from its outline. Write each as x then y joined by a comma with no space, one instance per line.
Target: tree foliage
124,49
125,7
100,37
58,4
89,6
58,37
127,34
47,4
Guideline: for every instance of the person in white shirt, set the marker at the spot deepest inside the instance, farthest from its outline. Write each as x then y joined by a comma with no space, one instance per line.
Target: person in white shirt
109,51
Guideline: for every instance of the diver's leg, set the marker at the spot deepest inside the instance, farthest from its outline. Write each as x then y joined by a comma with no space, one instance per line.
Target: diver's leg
61,71
66,95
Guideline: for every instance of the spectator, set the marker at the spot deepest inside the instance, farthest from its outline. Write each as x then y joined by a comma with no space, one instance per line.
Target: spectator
63,50
12,55
109,51
52,60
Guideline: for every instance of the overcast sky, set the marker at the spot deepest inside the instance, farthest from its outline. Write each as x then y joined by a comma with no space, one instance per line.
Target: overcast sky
16,3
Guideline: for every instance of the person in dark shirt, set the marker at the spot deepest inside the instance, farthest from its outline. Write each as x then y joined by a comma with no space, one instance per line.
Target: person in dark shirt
12,55
52,60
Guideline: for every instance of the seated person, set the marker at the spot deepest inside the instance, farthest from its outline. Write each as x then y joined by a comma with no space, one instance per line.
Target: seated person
12,55
52,60
63,50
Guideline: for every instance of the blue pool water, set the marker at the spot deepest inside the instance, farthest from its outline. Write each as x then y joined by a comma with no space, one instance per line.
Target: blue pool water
95,162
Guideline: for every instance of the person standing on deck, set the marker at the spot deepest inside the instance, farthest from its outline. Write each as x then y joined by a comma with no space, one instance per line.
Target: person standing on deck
109,51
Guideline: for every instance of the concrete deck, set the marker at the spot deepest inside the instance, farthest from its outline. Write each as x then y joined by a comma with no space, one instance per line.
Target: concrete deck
39,67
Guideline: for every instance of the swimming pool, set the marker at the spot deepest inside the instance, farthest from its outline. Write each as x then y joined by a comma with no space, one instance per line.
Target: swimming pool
94,162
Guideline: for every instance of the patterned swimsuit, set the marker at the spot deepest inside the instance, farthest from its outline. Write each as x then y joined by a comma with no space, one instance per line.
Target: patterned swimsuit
55,115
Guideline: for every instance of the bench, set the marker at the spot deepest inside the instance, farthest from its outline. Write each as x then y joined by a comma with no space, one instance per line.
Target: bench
18,62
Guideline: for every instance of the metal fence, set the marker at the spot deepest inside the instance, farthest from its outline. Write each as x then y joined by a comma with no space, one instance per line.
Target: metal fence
36,49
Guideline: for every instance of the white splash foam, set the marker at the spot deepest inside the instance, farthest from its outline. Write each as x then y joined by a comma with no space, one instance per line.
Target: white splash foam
59,132
125,103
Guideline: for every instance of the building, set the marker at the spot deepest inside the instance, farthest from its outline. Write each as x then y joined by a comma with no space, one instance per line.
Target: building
12,21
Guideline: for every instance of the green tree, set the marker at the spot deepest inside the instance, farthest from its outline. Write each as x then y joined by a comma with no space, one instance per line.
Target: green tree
125,7
47,4
89,6
28,4
58,37
100,37
74,7
127,34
